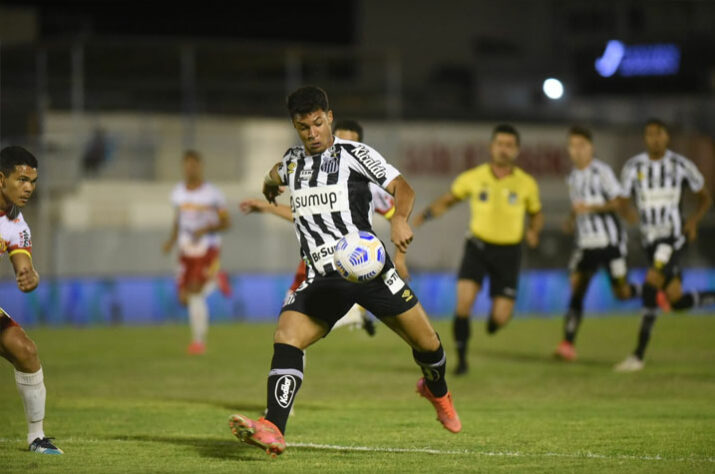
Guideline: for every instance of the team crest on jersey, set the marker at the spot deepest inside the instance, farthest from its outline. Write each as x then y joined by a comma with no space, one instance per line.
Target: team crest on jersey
291,167
330,166
512,197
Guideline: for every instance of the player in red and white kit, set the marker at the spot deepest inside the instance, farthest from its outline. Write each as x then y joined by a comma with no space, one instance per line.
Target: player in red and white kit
382,203
201,215
18,177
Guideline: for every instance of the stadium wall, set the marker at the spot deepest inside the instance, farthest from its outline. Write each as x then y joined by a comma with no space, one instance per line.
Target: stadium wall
258,297
112,221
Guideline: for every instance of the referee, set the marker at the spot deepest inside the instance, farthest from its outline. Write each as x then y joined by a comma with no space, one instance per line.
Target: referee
500,194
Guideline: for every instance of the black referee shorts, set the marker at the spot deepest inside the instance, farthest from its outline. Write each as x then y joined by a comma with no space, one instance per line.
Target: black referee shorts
327,298
499,262
589,260
664,255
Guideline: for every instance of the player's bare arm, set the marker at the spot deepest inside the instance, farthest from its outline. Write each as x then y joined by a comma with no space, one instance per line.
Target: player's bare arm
569,225
401,264
272,185
26,276
169,243
610,206
536,224
250,206
223,224
438,207
690,228
627,211
404,195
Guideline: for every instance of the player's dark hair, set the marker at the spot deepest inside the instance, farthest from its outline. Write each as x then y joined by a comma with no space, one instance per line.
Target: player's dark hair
193,154
656,121
12,156
581,132
350,125
508,129
307,99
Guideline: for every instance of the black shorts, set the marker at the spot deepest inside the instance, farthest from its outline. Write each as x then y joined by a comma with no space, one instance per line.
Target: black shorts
327,298
664,255
588,261
500,262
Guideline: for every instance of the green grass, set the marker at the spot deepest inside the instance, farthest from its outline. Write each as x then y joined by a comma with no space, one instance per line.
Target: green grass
130,400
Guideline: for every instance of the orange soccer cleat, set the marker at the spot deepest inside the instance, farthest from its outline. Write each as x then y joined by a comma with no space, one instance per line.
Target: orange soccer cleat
196,348
566,351
260,432
446,414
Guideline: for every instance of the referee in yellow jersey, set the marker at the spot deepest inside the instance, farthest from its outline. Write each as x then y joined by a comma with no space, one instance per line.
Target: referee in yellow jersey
500,195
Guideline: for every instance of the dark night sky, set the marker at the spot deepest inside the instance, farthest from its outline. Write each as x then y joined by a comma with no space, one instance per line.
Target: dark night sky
305,21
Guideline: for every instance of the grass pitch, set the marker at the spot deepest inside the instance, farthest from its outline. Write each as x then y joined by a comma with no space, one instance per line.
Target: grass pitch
130,400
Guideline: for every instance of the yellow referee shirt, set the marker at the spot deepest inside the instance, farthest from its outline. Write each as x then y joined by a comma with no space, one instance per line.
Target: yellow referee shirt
498,205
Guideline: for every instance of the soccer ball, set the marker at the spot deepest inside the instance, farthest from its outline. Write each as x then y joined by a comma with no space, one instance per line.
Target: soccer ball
359,257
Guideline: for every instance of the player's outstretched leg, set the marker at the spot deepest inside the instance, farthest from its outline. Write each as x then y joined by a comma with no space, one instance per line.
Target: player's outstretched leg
572,321
295,332
461,329
19,349
414,327
634,362
199,322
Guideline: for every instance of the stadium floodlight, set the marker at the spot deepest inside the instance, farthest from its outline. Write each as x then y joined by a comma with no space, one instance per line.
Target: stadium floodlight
553,88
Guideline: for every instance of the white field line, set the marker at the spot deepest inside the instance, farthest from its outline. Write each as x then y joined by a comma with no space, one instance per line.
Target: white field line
516,454
371,449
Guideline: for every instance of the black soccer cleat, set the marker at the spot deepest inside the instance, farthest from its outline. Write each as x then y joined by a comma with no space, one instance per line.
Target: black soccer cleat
462,368
44,446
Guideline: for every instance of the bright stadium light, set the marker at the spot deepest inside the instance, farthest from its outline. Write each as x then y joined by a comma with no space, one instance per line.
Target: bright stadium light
553,88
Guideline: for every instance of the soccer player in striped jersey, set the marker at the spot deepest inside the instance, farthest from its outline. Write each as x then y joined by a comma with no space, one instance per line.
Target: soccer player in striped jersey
201,215
596,196
500,196
328,179
382,203
18,177
655,179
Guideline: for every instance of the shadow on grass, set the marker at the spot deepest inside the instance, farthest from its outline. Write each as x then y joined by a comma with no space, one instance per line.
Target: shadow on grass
248,408
539,358
206,447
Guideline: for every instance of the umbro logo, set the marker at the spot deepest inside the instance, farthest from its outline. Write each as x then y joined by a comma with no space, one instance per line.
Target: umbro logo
407,295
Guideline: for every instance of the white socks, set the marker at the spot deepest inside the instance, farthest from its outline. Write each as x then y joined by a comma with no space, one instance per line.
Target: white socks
354,317
33,394
198,317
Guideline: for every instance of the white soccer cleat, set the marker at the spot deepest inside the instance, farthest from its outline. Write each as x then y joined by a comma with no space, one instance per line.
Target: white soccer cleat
629,364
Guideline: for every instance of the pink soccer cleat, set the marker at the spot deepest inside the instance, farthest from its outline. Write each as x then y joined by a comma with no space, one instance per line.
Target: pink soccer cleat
260,432
446,414
566,351
196,348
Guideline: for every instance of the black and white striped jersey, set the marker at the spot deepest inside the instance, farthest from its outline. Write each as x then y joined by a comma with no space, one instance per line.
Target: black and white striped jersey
330,195
596,185
656,186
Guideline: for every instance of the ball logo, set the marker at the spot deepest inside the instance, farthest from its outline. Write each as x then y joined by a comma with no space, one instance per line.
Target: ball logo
285,389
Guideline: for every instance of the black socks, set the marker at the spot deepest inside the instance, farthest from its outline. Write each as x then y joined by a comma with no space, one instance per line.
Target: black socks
433,365
284,380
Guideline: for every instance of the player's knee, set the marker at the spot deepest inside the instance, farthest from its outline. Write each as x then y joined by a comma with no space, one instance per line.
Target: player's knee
427,343
25,353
